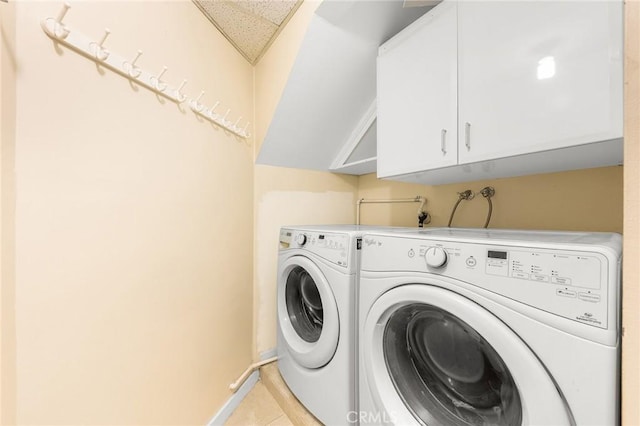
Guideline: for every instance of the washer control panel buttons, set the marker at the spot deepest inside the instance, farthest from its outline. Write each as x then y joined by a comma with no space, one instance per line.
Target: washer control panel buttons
589,297
561,280
436,257
333,247
560,268
301,239
565,293
540,278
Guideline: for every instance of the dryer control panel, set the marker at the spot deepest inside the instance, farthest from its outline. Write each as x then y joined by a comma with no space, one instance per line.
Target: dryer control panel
580,285
333,247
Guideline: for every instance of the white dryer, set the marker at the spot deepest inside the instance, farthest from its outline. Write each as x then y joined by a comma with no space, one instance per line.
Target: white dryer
317,318
471,327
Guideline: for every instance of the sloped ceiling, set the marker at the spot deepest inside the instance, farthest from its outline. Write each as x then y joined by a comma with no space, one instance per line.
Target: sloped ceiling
249,25
332,85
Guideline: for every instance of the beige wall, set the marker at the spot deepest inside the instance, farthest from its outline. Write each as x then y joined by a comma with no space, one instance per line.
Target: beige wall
586,200
133,222
7,217
286,196
631,276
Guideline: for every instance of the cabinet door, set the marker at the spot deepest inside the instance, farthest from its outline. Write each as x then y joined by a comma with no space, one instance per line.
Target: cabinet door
538,75
417,90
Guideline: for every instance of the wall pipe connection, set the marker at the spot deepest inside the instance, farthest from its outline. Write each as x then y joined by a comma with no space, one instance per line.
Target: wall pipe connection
236,385
418,199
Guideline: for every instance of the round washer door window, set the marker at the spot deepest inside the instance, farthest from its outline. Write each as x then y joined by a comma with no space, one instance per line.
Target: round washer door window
433,357
307,312
444,370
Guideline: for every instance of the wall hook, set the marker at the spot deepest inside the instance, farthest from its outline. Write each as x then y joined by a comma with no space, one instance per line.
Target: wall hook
60,30
179,95
95,50
244,131
212,114
65,8
195,104
157,80
131,68
54,26
224,117
98,49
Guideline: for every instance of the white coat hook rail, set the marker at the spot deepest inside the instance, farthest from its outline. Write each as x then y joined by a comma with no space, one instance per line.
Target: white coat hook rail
219,120
97,52
128,68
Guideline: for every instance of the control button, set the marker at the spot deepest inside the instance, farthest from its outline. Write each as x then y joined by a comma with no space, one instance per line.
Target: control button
589,297
411,253
561,280
540,278
301,239
436,257
498,267
565,293
520,275
471,261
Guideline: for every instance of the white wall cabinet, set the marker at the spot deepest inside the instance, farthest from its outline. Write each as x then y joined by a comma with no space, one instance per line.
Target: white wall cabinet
417,91
539,89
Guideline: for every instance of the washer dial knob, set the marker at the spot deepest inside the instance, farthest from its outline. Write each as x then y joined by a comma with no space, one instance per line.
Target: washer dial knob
301,239
436,257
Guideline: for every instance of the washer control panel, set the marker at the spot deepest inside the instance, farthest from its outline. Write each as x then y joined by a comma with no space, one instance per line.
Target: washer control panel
556,268
573,284
333,247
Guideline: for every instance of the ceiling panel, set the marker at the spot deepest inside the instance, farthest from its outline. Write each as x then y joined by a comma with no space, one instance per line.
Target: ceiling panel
250,25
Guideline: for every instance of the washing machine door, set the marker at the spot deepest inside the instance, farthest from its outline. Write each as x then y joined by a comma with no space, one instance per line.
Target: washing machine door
307,312
434,357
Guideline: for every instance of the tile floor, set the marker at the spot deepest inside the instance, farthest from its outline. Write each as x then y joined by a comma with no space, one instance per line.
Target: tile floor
259,408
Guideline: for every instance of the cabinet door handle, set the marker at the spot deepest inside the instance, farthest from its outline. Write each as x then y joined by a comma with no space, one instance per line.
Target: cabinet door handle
467,135
443,141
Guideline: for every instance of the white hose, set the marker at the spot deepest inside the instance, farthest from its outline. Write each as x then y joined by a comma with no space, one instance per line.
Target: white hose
236,385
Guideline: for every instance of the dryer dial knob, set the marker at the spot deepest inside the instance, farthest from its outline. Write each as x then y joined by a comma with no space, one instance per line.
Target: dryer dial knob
301,239
436,257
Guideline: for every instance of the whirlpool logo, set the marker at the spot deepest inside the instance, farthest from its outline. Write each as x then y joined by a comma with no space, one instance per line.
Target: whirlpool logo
371,242
364,417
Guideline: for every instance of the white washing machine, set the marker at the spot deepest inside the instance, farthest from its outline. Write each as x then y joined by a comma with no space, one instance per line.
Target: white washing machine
317,318
491,327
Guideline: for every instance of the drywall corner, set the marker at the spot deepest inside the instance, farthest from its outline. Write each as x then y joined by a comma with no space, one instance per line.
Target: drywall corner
7,214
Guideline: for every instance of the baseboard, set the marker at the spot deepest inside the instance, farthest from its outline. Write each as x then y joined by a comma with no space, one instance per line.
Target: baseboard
269,353
232,403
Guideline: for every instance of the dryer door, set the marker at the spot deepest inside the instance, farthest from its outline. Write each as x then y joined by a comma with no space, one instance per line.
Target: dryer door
434,357
307,312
